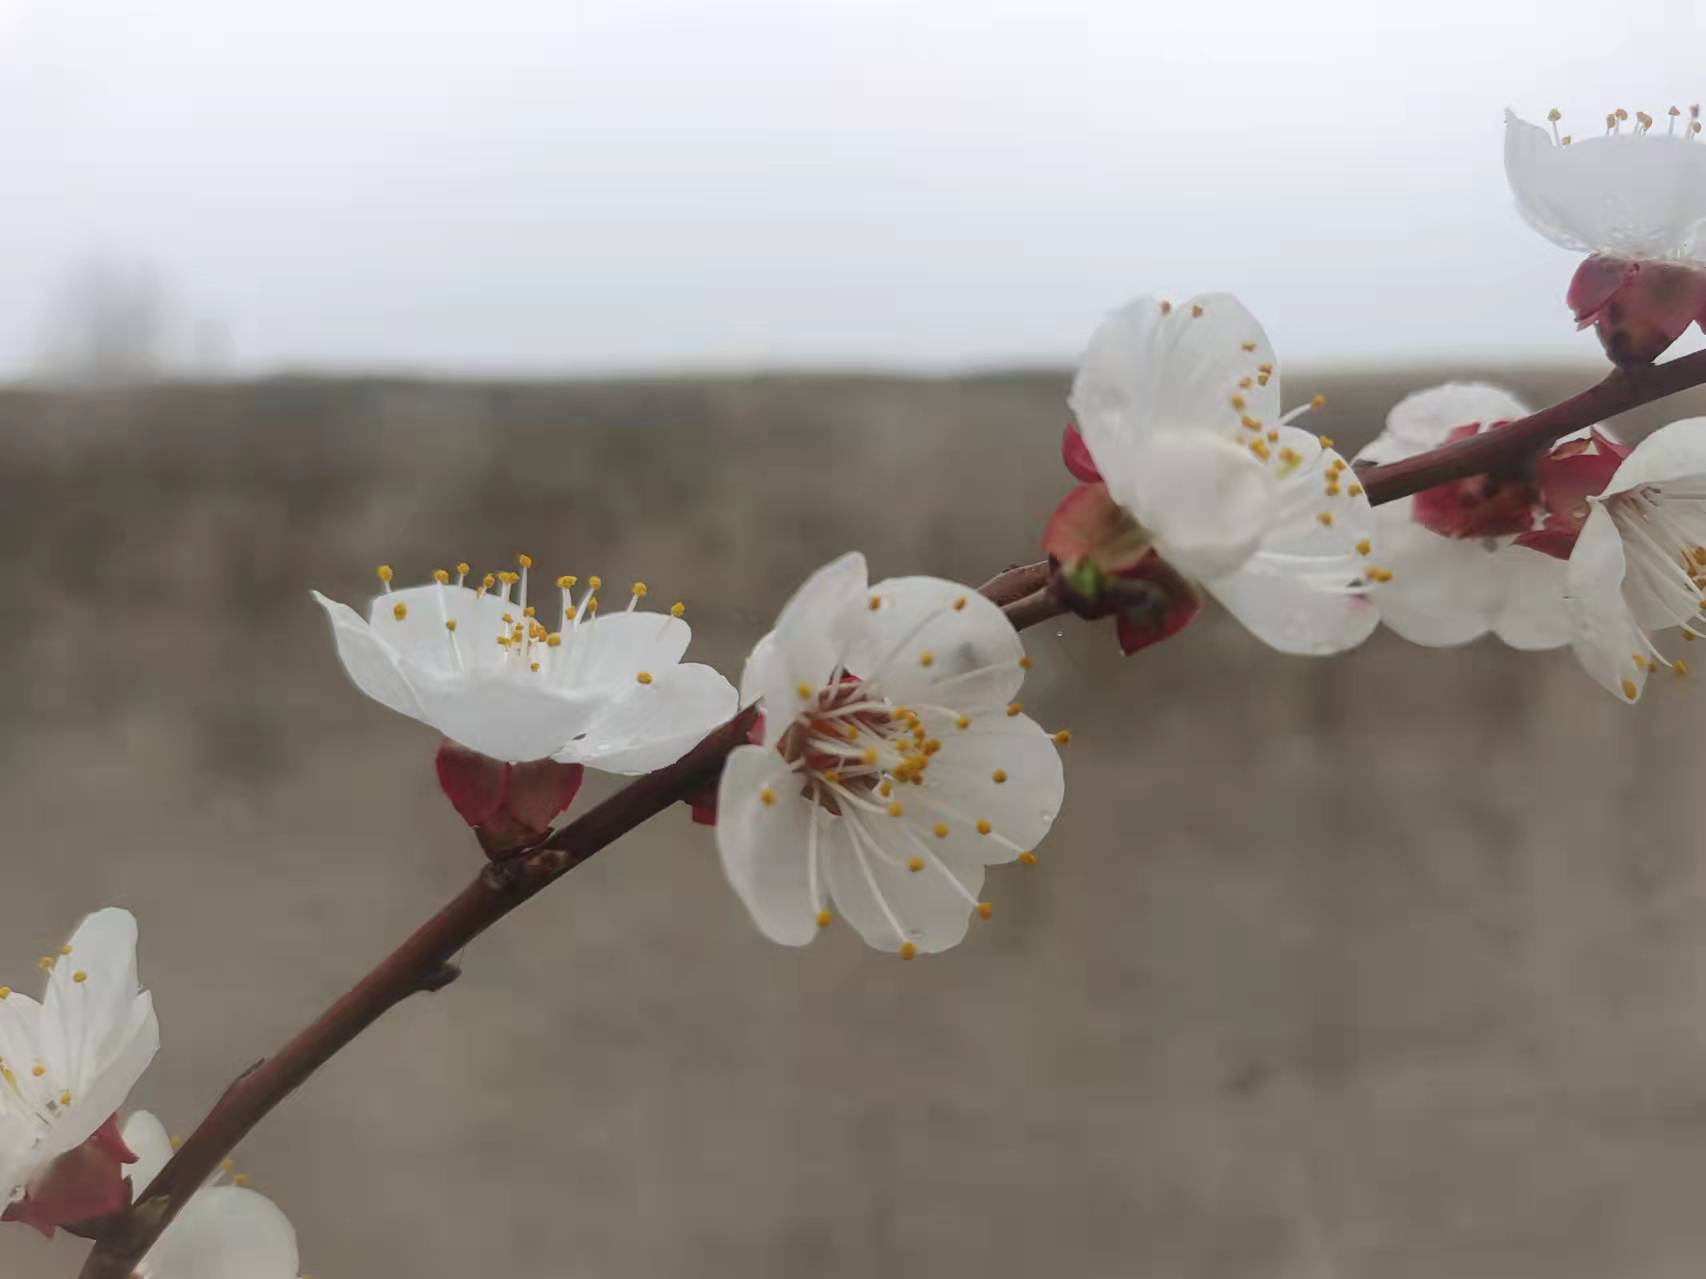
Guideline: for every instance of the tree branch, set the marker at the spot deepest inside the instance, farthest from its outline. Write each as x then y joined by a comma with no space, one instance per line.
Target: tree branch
421,963
1621,390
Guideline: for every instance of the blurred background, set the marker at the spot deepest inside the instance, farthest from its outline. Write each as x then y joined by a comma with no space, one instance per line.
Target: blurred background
1390,965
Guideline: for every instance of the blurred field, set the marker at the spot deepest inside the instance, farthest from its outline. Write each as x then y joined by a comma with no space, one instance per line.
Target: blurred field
1390,966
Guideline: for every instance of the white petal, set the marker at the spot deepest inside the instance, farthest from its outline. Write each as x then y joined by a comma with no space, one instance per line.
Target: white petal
515,716
421,641
1422,420
807,642
1444,590
609,651
889,905
1021,808
1146,371
225,1232
653,725
1670,454
1293,616
370,662
1603,631
100,1034
1207,501
149,1142
1532,615
766,848
1638,196
972,651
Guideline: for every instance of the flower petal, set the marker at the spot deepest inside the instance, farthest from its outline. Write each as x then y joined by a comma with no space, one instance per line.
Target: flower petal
865,866
1444,590
369,661
1207,501
1532,615
1639,195
1286,612
1426,419
225,1232
606,653
1021,807
1150,367
148,1141
420,638
766,847
806,643
1603,630
512,717
1670,454
653,725
936,641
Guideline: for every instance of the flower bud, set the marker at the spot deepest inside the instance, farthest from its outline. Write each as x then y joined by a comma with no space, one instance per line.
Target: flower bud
1638,308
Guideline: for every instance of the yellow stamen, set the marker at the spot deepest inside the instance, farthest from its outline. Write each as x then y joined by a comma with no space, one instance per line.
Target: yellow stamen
399,610
823,918
926,659
959,603
1629,689
1014,709
384,572
767,797
1028,858
645,677
908,950
940,830
1063,737
677,609
915,864
998,776
984,910
441,575
983,827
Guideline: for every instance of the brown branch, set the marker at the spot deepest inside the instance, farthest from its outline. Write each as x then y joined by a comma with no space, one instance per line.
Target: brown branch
421,963
1621,390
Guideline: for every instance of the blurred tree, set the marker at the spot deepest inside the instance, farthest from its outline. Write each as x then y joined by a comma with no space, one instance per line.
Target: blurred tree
111,324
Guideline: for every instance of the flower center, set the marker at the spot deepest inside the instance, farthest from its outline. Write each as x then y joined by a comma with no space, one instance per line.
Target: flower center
1642,126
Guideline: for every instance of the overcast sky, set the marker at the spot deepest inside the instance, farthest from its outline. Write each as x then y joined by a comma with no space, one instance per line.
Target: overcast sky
523,184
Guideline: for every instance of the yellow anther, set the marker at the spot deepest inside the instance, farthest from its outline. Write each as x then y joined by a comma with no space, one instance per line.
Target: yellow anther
5,992
1611,119
1688,636
1326,441
645,677
1679,666
594,582
1645,119
227,1166
1555,115
526,561
1332,490
1640,662
767,797
65,949
1196,312
823,918
998,776
533,666
1013,709
852,733
1247,346
1355,490
895,809
639,590
1166,306
1317,401
529,611
1262,378
869,757
1376,574
462,568
1249,423
875,603
1063,737
983,827
907,949
1621,114
1365,547
503,641
926,659
384,572
566,581
1028,858
804,690
1325,518
1025,663
554,640
592,605
45,963
959,603
677,609
441,575
79,976
932,746
1260,449
940,830
915,864
1238,401
1566,140
1694,127
886,789
38,1070
509,578
177,1143
832,774
1290,456
964,721
64,1099
241,1179
985,910
1273,437
488,581
399,610
1265,367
